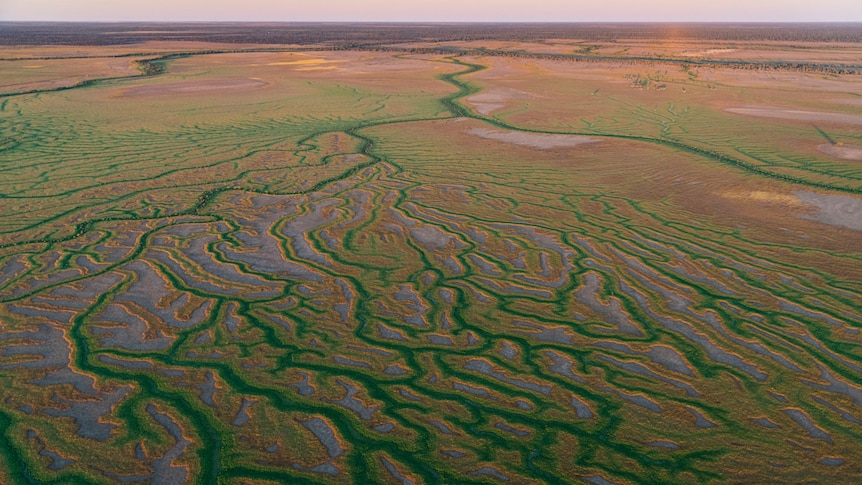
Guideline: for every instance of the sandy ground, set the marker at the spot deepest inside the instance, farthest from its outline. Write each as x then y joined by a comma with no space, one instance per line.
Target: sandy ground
795,114
489,101
851,101
195,87
707,52
835,210
372,71
844,152
26,75
534,140
765,196
770,79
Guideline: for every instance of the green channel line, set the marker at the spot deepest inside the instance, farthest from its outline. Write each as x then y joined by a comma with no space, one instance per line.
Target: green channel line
158,66
465,89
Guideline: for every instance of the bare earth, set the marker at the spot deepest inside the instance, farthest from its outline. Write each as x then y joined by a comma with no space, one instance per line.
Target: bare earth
196,87
835,210
844,152
489,101
795,114
542,142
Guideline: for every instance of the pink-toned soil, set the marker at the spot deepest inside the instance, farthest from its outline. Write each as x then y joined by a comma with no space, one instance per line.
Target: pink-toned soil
798,115
195,87
844,152
534,140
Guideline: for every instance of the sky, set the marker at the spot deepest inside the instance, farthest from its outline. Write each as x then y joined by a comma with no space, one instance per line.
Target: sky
436,10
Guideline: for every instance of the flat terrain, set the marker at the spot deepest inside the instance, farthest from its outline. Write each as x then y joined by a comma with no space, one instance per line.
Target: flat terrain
430,254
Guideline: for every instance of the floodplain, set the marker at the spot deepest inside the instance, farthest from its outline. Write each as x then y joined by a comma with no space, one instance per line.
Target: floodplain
535,255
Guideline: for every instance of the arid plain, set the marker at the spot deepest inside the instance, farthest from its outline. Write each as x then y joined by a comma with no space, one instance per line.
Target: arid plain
535,256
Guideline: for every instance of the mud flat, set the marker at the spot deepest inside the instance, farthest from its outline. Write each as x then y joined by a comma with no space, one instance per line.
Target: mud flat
844,152
325,434
835,210
797,115
208,87
487,102
532,140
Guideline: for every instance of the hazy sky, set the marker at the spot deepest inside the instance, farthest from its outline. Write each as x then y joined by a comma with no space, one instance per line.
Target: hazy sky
435,10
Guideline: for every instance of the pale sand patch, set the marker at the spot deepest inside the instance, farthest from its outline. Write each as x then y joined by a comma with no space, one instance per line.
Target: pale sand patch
844,152
486,108
534,140
795,114
317,68
707,52
196,87
489,101
763,196
835,210
302,62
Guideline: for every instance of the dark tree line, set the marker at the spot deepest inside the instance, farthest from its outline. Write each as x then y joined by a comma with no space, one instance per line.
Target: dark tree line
341,35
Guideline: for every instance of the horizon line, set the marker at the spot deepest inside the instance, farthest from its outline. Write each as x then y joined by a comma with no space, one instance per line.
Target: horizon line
438,22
